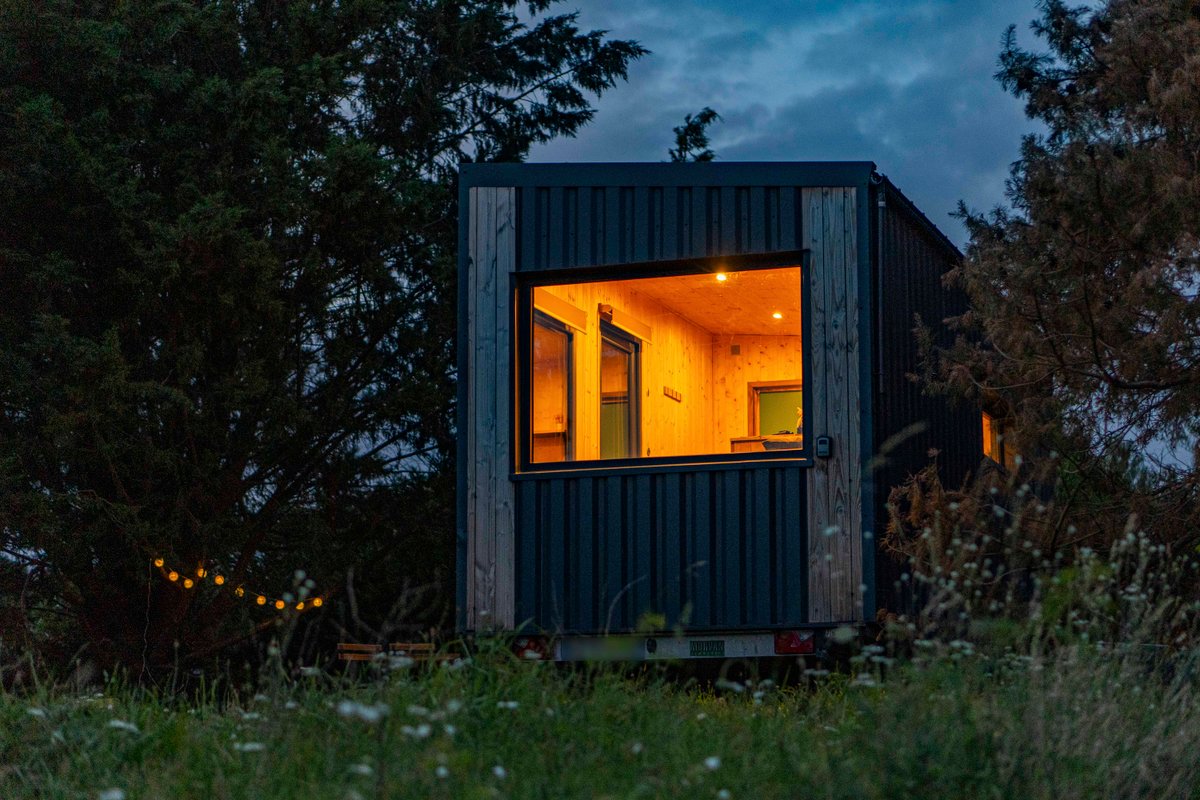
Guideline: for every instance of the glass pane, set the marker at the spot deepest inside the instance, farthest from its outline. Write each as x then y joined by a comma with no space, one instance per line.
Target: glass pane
551,425
667,366
616,367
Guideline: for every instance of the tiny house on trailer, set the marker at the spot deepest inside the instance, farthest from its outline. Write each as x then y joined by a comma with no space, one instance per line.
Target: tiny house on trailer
684,397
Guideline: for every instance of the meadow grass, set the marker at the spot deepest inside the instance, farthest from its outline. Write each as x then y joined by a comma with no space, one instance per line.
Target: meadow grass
1078,724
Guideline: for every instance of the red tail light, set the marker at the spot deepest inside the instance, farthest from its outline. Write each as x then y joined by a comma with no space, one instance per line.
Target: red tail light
794,643
531,648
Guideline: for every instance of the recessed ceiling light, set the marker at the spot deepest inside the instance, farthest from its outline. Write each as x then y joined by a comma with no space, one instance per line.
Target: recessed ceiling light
722,277
777,315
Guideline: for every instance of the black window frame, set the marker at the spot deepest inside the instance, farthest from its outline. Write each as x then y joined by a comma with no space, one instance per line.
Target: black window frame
525,282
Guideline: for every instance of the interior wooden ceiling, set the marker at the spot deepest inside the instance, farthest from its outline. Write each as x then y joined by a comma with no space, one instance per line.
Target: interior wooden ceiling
741,304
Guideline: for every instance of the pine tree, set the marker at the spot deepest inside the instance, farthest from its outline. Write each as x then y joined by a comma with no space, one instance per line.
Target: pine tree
1085,289
227,294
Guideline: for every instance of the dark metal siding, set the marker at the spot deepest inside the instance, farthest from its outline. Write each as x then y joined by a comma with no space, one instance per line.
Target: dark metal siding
708,550
574,226
915,256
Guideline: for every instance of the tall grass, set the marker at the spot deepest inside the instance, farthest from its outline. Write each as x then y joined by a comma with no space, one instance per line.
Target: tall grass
1078,722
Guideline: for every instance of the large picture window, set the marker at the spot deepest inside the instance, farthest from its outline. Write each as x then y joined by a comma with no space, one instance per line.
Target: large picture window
685,365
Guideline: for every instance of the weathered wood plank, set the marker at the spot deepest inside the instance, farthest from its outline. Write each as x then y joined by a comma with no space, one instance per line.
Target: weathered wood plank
485,408
837,377
472,330
504,547
816,386
490,503
853,445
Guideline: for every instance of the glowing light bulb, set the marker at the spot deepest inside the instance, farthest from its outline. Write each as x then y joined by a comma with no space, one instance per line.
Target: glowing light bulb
317,602
188,583
219,580
172,575
300,606
777,315
279,604
158,562
262,601
239,591
722,277
200,573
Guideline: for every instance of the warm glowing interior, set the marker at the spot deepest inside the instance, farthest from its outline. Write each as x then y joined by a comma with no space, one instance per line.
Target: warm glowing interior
673,366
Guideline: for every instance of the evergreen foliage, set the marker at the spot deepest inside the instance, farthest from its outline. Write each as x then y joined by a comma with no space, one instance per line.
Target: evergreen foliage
1085,289
691,138
227,296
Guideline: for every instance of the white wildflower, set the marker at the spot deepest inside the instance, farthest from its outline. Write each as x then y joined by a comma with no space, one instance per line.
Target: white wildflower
723,794
733,686
111,794
251,716
421,731
36,712
442,772
712,763
366,770
500,772
450,730
418,711
122,725
454,705
400,662
249,747
702,715
636,748
368,714
291,705
310,672
509,704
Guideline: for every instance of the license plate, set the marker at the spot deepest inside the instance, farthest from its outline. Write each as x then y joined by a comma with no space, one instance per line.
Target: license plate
707,648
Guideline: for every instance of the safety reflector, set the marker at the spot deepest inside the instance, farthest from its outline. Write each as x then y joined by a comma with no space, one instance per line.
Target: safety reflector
794,643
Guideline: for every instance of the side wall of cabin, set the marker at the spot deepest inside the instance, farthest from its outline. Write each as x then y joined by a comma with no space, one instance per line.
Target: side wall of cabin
716,546
909,423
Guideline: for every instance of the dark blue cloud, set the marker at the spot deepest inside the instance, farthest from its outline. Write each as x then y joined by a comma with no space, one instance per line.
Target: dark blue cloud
906,83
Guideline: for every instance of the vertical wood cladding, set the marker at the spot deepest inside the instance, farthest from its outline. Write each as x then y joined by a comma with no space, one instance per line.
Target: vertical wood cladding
575,226
488,452
910,425
706,550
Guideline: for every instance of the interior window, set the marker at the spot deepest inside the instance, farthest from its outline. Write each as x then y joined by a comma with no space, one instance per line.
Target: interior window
552,415
619,422
701,364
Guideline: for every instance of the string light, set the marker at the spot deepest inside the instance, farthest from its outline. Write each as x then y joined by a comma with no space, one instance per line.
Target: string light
240,591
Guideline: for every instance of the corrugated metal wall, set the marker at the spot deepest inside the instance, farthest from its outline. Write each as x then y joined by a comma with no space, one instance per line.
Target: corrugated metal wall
596,225
714,549
914,259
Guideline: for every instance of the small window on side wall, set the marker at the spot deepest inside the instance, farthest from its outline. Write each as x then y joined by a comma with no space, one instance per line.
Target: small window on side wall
994,445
